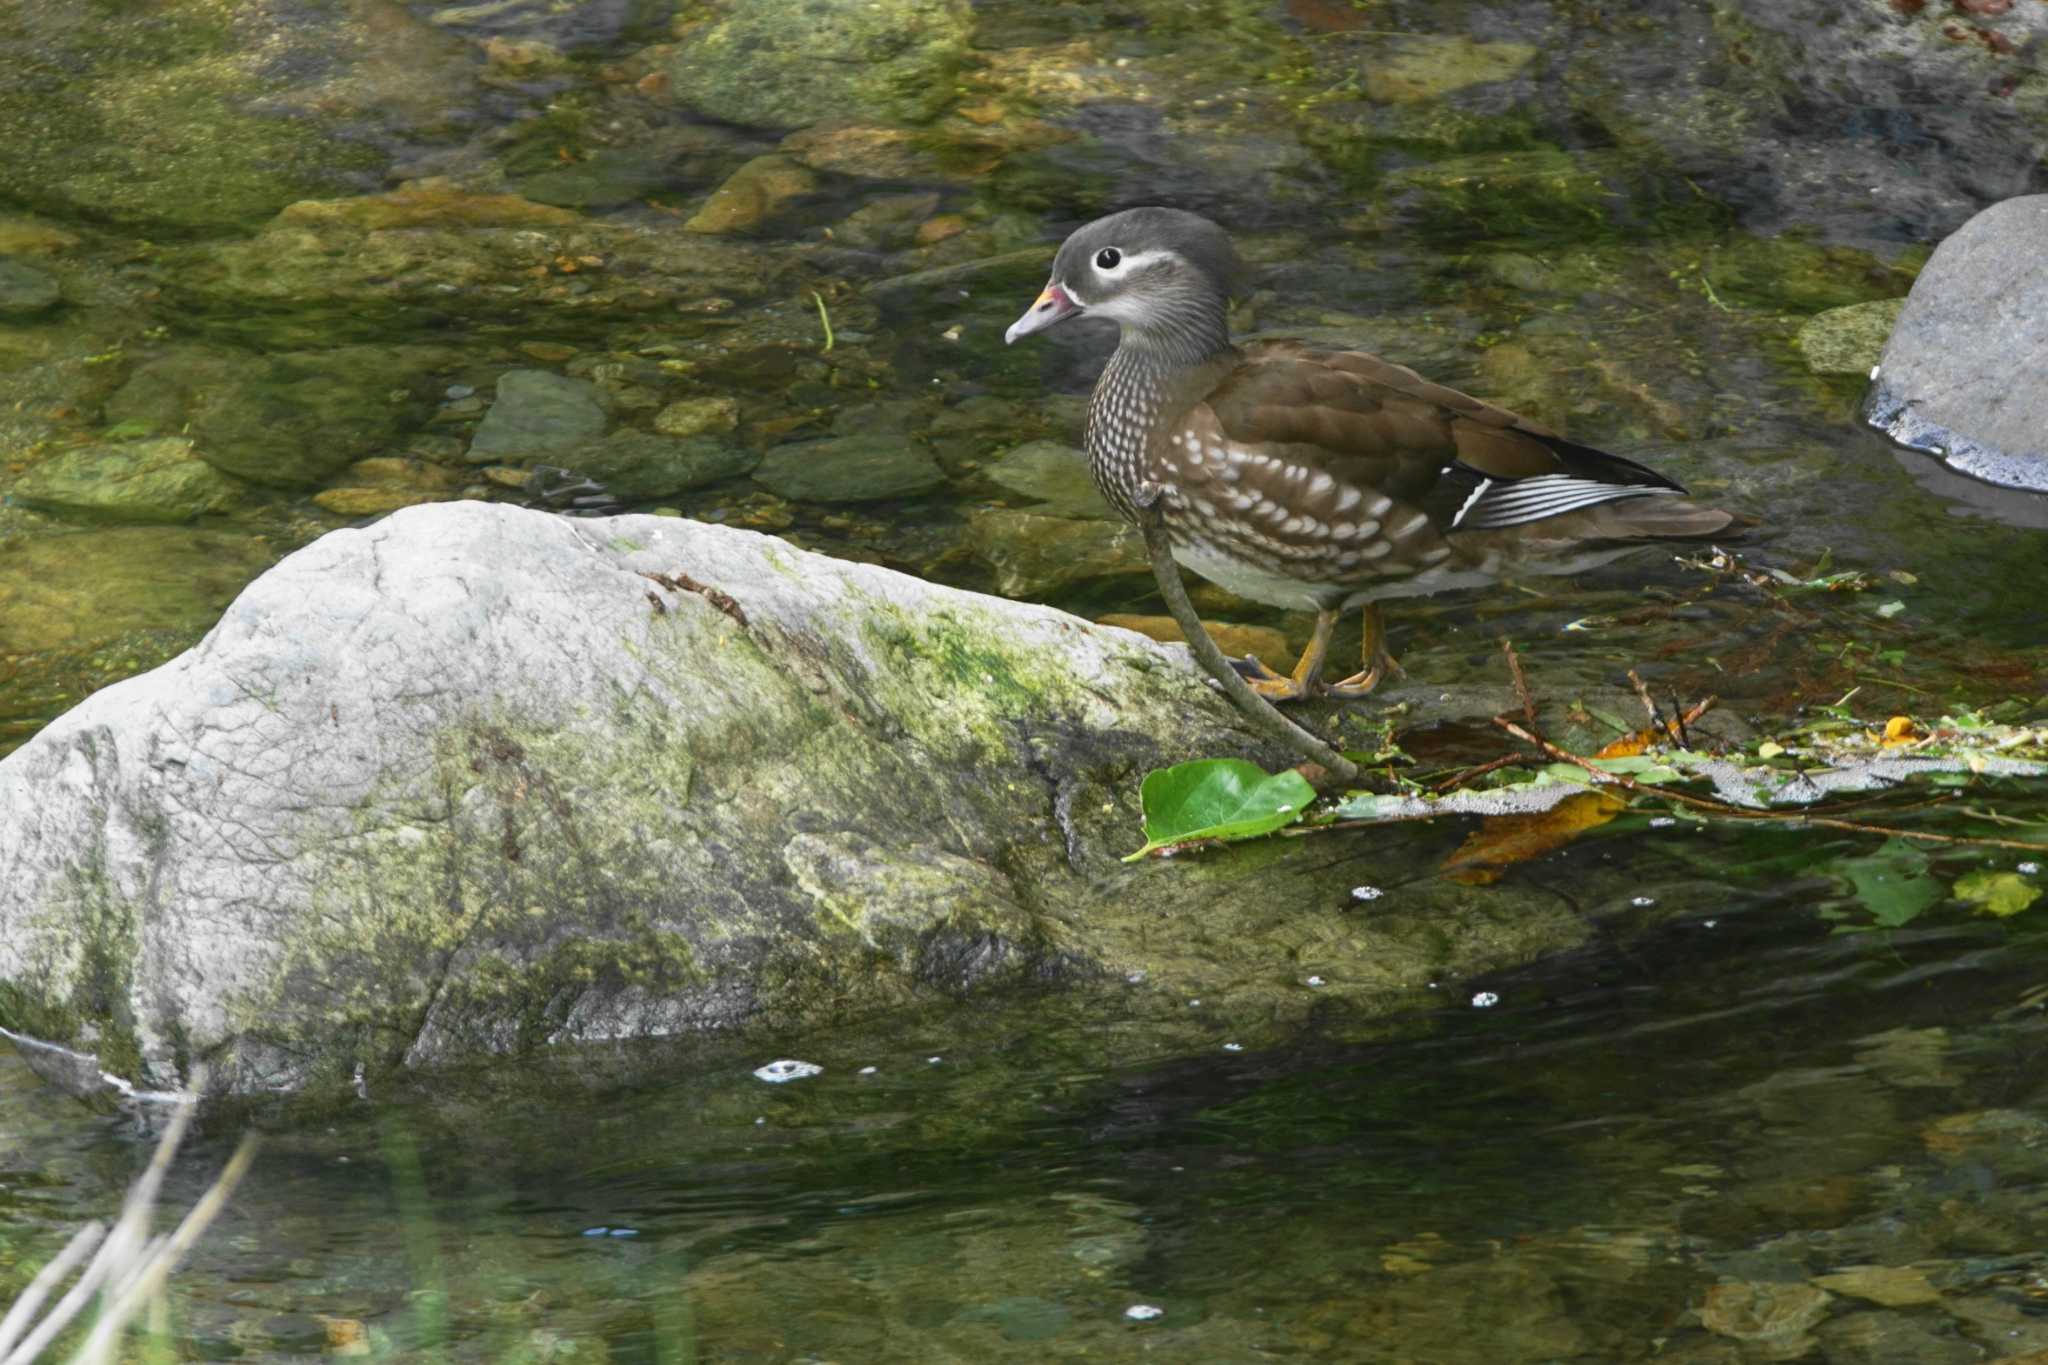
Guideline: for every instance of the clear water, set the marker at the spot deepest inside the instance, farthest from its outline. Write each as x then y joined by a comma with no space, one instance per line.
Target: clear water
1649,1151
1729,1097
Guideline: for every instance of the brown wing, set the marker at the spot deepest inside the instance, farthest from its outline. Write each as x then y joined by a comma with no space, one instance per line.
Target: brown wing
1381,426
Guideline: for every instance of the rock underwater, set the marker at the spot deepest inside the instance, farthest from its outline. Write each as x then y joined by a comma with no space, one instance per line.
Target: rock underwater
476,780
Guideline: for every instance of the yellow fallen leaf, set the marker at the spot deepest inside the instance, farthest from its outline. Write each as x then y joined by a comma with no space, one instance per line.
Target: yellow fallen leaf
1997,893
1501,841
1899,730
1770,748
1628,746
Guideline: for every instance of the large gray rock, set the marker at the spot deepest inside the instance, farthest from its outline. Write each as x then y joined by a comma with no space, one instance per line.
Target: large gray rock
1961,375
477,779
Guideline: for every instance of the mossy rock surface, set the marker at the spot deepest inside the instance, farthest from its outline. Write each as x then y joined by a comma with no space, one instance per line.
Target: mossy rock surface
476,781
791,63
155,480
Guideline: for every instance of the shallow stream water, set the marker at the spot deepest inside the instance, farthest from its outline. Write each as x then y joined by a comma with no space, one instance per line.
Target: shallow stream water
1692,1142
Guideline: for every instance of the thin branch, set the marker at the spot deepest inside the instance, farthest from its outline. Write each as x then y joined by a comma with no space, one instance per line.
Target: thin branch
1522,692
1263,715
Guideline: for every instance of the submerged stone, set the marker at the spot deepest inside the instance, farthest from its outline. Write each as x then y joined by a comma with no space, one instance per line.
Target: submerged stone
636,465
154,480
752,195
1960,376
435,202
538,414
697,417
75,590
1033,555
858,468
1848,340
1233,638
288,419
789,63
1055,476
1535,193
26,290
1419,67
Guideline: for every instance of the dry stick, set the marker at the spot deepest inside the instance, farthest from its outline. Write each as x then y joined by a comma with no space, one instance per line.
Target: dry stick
147,1281
1649,707
1722,808
1528,700
1263,715
25,1308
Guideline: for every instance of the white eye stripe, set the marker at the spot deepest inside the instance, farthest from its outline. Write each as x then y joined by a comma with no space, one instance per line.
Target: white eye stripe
1130,260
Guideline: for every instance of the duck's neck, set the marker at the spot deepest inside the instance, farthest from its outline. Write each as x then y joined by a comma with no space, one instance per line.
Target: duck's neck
1142,386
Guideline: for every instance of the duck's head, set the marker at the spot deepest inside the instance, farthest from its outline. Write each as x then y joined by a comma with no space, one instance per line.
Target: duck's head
1162,274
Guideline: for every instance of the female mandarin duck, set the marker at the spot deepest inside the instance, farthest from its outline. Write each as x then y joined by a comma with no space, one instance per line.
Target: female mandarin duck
1315,479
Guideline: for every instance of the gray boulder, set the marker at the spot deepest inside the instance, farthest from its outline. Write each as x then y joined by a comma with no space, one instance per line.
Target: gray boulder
1960,377
478,780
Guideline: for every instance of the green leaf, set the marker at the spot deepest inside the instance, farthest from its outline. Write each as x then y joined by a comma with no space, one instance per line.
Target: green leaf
1892,883
1218,798
1997,893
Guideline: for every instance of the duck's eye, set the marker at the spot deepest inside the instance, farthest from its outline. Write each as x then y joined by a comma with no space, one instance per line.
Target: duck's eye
1108,258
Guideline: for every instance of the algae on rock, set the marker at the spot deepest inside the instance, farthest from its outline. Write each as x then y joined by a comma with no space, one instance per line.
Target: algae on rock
470,791
789,63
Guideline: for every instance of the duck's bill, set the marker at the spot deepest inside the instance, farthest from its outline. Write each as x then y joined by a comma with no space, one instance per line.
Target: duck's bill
1053,304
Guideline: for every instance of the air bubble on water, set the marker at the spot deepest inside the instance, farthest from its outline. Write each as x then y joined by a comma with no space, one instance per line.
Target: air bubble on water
1313,981
867,1071
1233,1047
1366,893
1642,900
2029,869
1144,1312
785,1070
1485,1000
1663,821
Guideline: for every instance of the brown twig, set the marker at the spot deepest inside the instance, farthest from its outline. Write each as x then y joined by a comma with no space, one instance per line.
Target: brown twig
682,582
1528,700
1643,695
1255,708
1458,780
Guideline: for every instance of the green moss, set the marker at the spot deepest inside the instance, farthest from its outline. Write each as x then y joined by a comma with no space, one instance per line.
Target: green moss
79,993
1538,195
963,676
1788,273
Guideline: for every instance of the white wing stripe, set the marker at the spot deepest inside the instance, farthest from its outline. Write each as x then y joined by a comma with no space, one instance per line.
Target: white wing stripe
1477,494
1546,495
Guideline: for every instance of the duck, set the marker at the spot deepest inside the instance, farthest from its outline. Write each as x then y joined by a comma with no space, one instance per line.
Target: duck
1316,479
